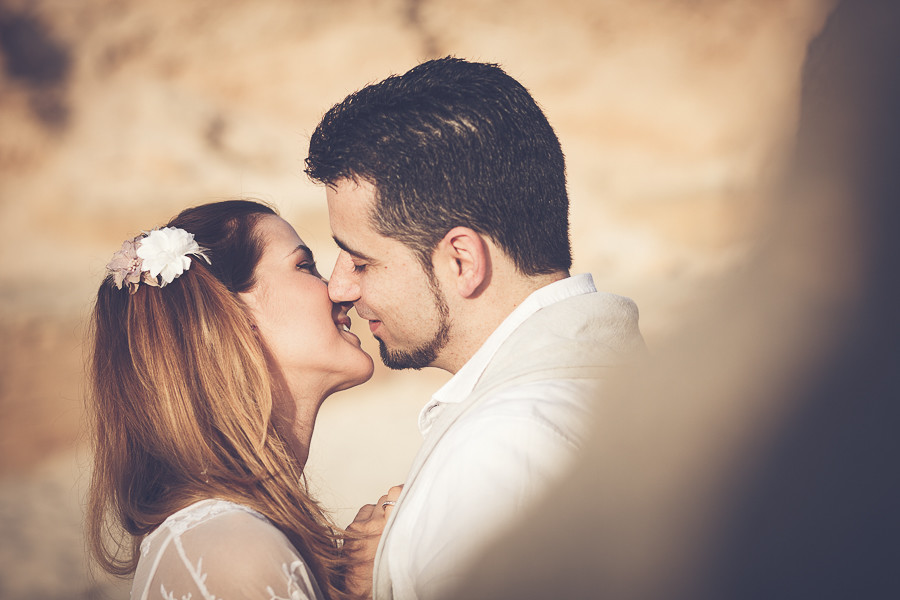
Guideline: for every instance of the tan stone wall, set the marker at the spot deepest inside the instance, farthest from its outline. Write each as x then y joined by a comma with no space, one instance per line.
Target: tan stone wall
674,117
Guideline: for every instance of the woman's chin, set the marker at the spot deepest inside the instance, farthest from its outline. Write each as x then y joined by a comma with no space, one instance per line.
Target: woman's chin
359,374
367,371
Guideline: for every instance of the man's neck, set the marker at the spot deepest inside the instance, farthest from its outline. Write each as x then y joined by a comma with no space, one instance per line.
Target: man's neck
473,320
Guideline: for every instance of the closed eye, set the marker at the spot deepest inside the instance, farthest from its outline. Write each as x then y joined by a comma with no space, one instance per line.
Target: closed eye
308,266
355,256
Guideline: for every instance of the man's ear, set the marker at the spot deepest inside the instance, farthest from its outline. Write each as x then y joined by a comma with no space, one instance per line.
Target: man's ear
464,252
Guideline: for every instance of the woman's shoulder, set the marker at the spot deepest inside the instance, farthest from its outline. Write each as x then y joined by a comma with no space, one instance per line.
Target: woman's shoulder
201,514
228,546
206,510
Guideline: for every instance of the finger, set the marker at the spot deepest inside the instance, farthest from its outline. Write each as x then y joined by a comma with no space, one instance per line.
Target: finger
394,492
389,500
387,503
365,512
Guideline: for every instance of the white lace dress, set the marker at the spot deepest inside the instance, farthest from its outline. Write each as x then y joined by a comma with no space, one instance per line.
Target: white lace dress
219,550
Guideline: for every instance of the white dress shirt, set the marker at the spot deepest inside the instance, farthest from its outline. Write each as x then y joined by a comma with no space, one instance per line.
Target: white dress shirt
497,457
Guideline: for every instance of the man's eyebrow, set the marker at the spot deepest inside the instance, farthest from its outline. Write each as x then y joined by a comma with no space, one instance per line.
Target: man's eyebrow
356,253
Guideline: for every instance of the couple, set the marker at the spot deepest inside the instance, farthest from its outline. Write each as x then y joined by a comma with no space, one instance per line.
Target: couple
216,340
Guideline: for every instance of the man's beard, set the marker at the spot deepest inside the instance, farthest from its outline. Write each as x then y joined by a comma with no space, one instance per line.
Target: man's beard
425,354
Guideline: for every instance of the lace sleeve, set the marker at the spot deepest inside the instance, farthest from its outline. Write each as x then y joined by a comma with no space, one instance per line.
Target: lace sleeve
227,556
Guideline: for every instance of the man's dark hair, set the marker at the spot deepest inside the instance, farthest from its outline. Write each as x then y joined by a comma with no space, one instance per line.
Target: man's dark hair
452,143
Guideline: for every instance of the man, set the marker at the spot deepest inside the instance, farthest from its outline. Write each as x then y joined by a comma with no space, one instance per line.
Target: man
447,196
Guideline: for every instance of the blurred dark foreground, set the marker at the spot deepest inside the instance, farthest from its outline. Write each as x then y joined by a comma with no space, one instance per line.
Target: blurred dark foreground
759,458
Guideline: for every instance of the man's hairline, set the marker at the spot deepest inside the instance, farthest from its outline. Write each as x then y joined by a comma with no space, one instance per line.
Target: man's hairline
424,261
357,178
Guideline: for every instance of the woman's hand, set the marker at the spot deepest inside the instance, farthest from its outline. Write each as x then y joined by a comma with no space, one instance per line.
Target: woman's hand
367,527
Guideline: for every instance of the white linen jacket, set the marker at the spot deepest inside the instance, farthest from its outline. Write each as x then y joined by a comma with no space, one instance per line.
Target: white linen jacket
489,455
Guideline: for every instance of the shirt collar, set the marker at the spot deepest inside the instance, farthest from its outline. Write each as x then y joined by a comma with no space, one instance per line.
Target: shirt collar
461,385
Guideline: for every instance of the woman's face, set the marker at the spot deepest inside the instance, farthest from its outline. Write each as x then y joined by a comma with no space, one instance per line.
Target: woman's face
302,328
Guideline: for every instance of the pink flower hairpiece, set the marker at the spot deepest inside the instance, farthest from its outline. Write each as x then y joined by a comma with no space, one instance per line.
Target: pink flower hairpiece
156,258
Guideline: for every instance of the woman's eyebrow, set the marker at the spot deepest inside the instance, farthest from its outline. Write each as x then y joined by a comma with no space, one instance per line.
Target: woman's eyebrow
304,249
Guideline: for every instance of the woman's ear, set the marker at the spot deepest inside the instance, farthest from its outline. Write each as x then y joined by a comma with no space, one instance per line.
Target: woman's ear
465,254
250,301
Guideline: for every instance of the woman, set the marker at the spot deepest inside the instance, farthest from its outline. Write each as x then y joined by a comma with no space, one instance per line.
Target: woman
214,344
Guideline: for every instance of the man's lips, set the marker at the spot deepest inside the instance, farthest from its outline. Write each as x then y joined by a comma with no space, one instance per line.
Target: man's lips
373,322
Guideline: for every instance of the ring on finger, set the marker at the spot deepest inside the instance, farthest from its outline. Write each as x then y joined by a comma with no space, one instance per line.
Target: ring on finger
388,503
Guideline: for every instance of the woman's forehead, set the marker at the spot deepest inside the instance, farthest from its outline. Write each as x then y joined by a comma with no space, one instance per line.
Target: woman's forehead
279,235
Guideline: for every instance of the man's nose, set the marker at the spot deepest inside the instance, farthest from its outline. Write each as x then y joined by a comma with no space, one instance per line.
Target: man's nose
342,285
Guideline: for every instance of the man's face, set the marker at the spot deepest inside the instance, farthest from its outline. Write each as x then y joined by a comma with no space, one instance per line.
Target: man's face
406,310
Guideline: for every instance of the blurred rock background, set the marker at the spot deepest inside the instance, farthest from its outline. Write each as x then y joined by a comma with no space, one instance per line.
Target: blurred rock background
675,117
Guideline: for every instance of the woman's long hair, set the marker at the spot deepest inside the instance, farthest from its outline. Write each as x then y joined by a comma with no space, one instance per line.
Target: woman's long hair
182,398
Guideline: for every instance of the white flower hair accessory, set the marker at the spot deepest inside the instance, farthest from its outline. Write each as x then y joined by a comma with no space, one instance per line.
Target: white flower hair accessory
156,258
165,252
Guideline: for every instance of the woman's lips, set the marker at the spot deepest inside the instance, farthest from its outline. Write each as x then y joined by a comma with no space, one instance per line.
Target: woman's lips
343,323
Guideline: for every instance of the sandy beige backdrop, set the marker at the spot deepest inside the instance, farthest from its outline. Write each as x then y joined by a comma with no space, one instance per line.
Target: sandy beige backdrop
115,114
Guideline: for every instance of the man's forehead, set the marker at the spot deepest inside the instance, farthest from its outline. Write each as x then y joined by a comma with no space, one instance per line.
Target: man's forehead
349,210
351,189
